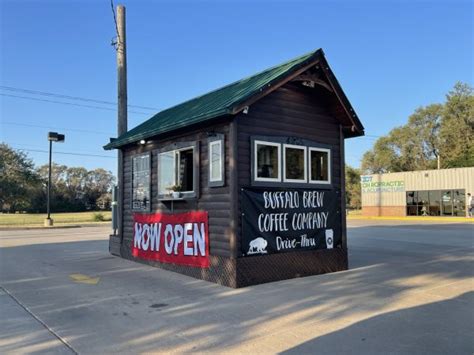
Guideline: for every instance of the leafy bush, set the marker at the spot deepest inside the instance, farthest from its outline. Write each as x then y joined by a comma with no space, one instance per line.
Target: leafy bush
98,217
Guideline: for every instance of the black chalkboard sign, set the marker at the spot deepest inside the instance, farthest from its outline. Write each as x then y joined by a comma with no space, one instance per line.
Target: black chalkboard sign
278,221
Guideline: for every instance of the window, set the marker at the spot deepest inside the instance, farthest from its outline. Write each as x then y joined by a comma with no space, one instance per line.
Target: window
267,161
216,160
412,209
423,203
319,165
436,203
294,163
447,202
166,171
176,172
411,198
290,162
459,203
141,182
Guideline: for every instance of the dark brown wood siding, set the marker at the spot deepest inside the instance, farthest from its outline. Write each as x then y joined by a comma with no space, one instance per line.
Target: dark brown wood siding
290,111
215,200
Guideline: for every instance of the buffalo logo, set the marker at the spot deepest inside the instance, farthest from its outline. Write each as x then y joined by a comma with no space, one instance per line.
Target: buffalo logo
329,238
257,246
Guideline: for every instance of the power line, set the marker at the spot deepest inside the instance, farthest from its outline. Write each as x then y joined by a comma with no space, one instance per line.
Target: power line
44,93
69,103
42,146
367,138
66,153
62,96
58,128
115,19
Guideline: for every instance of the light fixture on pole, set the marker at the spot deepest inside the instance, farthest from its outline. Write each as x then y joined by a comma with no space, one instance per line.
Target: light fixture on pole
59,138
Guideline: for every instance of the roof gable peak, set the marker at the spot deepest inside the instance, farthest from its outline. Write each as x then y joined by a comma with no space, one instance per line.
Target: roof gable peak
229,99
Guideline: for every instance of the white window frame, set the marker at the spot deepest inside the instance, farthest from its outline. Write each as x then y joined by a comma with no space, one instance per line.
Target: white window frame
305,159
255,158
175,169
325,150
148,155
211,144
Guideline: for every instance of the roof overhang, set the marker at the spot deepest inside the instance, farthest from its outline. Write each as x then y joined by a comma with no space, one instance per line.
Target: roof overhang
353,129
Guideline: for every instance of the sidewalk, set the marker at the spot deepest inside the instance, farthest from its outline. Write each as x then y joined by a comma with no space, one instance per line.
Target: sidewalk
24,331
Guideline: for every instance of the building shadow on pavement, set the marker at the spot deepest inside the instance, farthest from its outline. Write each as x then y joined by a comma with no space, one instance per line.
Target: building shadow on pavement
396,289
444,327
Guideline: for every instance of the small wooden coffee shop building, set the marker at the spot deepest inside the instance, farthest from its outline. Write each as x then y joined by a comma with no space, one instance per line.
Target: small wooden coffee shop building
242,185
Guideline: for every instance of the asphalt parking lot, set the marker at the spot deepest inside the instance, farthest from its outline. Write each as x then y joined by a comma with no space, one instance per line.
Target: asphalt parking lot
409,290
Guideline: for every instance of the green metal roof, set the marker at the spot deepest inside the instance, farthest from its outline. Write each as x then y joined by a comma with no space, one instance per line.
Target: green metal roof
213,104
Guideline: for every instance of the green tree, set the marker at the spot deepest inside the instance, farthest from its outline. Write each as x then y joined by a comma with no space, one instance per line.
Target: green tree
457,130
99,188
424,126
78,189
438,130
75,188
104,202
18,180
353,195
61,200
382,158
23,188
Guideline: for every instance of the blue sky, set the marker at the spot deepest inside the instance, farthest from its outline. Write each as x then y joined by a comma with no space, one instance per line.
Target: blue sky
389,56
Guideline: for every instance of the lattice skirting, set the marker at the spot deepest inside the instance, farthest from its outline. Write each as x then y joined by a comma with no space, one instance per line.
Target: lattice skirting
254,270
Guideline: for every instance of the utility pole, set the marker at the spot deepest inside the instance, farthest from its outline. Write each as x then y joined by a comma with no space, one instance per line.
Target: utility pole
121,71
122,104
438,158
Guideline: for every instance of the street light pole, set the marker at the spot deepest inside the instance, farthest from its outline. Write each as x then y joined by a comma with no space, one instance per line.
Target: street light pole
52,137
49,181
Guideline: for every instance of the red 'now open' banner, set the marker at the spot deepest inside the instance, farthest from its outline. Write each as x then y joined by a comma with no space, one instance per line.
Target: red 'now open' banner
172,238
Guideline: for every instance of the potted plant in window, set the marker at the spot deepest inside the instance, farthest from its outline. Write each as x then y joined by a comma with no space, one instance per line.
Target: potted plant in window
175,191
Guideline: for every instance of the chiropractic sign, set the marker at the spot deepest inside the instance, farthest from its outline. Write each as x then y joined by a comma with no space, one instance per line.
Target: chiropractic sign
368,185
276,221
181,238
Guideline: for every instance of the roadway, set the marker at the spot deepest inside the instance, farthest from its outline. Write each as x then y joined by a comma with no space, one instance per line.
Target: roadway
410,289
